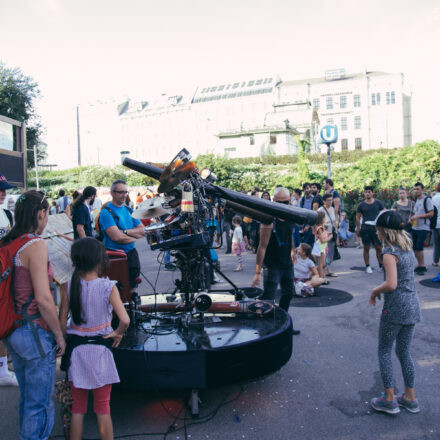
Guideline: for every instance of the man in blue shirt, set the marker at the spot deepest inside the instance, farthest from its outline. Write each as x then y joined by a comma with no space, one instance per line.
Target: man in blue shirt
120,229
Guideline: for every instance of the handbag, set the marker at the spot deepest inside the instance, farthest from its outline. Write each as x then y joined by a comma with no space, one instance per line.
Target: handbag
336,254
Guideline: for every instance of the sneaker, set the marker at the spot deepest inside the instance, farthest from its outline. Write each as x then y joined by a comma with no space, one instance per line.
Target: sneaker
216,279
170,266
411,406
382,404
8,380
436,279
420,270
369,270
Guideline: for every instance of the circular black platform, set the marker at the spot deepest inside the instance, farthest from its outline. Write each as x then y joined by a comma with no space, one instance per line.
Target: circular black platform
229,348
431,284
324,297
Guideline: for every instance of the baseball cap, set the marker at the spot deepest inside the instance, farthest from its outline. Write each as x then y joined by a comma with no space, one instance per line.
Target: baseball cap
4,184
388,219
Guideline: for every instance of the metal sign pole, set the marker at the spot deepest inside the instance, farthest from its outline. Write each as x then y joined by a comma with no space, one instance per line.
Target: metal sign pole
329,170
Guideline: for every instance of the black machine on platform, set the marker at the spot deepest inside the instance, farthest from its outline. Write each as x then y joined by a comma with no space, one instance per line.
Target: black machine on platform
194,338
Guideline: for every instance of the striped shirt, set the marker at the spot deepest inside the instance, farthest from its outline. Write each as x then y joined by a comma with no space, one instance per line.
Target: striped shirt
93,366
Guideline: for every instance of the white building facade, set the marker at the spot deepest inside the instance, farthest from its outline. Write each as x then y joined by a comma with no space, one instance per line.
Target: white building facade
261,116
371,110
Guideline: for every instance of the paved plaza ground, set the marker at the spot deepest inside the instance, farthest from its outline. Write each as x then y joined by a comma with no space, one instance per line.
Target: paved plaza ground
323,392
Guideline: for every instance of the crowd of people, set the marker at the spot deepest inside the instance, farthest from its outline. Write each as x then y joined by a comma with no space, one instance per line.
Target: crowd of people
297,258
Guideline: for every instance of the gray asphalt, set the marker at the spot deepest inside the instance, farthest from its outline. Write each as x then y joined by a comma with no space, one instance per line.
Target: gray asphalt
321,393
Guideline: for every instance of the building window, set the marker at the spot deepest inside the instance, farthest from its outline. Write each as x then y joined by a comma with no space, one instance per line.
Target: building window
329,103
316,103
251,140
344,144
393,97
235,85
344,124
272,140
330,121
357,122
373,99
251,83
378,98
387,98
358,143
343,101
356,100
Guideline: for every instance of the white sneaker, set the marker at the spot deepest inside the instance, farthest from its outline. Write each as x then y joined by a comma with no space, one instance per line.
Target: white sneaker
369,270
9,380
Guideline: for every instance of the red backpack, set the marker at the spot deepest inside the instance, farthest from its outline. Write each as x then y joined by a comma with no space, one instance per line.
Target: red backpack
9,320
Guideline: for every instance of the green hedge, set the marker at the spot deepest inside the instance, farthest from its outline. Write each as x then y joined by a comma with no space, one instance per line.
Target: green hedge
386,170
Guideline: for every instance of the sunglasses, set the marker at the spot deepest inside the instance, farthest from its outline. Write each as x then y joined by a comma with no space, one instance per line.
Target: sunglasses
121,192
284,202
44,197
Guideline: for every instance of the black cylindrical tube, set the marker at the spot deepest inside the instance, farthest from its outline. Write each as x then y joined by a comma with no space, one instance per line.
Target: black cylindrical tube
300,216
143,168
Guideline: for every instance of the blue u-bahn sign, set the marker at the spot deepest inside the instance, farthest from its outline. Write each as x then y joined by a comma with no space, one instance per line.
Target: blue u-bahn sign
329,134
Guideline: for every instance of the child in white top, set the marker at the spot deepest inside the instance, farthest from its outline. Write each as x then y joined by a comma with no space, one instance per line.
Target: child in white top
304,268
238,246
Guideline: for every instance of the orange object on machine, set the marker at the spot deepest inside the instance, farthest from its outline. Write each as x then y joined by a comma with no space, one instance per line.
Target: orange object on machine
118,271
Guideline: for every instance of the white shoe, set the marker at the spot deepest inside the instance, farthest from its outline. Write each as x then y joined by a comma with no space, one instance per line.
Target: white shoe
369,270
9,380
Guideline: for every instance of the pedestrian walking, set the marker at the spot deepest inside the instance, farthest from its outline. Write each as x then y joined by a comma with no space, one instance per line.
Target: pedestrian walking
306,202
401,311
368,210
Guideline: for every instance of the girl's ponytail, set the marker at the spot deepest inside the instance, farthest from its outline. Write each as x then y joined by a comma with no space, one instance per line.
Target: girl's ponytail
75,298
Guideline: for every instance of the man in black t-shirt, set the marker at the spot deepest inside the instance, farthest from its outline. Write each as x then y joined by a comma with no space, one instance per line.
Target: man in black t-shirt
276,251
81,215
368,210
317,199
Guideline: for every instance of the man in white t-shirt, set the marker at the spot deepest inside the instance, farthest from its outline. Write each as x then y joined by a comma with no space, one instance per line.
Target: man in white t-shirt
7,378
423,211
436,231
62,201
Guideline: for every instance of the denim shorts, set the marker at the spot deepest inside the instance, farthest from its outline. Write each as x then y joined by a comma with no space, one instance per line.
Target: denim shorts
36,379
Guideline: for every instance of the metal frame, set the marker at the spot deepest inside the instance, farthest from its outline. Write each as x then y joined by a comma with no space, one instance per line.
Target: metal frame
20,145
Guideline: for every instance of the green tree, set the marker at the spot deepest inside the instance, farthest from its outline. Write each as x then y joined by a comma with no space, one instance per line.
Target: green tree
18,93
303,168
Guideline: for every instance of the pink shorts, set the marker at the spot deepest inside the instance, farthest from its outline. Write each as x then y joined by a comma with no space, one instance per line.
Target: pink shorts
101,399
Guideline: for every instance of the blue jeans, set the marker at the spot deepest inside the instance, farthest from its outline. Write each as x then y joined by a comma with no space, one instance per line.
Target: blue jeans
283,277
36,378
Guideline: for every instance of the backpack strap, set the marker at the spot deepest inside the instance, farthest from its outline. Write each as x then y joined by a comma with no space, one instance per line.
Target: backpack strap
9,215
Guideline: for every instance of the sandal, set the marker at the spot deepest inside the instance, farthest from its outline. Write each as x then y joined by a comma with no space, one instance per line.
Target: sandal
326,283
238,269
332,275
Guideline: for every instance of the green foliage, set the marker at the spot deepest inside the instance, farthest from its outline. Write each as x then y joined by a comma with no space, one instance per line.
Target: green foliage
17,95
386,170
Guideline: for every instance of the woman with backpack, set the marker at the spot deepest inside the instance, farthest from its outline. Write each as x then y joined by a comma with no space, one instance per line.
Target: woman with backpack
38,339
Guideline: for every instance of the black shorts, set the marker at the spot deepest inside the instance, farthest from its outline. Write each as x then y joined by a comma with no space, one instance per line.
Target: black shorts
134,266
418,238
369,237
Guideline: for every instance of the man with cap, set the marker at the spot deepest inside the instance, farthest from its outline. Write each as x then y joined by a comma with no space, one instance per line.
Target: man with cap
7,378
120,229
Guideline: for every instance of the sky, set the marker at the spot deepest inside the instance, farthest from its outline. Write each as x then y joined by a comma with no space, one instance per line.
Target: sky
86,50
